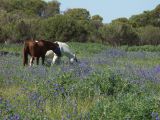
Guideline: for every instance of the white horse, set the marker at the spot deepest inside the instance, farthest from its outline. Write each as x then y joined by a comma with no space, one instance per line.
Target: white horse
65,51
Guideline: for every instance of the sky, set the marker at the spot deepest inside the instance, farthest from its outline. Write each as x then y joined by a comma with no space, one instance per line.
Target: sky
110,9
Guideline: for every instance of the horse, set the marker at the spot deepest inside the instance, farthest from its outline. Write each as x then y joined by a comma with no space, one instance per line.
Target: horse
65,51
38,48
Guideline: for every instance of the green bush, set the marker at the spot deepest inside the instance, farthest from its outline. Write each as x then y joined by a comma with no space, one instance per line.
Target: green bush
119,33
149,35
106,83
127,106
63,28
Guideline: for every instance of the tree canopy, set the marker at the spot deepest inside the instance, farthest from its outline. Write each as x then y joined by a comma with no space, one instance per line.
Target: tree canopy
21,19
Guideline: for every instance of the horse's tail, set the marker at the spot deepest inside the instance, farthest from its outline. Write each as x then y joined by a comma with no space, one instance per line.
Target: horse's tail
25,55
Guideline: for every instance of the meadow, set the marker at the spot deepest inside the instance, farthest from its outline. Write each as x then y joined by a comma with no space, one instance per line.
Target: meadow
107,83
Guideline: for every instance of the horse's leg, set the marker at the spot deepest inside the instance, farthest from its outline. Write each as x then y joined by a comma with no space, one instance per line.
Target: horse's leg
55,59
58,60
37,60
25,56
31,61
43,58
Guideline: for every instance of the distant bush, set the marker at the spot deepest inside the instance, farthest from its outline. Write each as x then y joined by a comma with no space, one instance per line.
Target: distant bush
63,28
119,33
149,35
21,19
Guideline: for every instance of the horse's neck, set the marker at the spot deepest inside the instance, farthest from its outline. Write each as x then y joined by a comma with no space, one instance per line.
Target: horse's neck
65,49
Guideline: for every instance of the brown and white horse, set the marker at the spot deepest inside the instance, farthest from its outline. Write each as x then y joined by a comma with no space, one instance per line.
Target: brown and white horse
37,49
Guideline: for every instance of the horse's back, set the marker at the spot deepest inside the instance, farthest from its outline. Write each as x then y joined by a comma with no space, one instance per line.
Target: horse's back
49,54
27,44
64,47
34,48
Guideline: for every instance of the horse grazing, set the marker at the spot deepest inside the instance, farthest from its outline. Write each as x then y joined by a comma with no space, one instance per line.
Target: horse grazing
65,50
38,49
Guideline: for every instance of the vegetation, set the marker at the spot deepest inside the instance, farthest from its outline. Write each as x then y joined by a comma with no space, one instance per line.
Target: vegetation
106,83
21,19
120,82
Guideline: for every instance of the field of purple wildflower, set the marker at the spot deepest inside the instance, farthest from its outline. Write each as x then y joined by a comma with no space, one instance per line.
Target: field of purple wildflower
106,84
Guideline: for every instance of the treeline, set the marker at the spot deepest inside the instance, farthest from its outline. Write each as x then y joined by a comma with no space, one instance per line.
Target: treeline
37,19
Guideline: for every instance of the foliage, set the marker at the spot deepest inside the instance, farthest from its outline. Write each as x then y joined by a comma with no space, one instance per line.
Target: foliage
119,33
52,8
149,35
63,28
147,18
106,83
78,13
22,19
97,18
127,106
120,20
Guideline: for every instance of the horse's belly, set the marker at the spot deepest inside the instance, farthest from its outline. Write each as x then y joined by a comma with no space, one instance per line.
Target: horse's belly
50,54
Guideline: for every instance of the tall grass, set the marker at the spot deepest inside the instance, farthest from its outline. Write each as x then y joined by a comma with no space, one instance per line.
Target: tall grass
11,47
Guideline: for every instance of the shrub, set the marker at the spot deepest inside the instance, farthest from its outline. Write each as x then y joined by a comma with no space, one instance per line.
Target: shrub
63,28
127,106
119,33
149,35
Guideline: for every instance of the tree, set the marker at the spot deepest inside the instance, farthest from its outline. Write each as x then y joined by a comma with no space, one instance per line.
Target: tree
155,19
63,28
97,21
52,9
146,18
119,34
149,35
78,13
97,18
141,20
121,20
35,7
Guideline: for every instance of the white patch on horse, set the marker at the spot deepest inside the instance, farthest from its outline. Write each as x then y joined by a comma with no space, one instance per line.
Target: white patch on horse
65,51
31,61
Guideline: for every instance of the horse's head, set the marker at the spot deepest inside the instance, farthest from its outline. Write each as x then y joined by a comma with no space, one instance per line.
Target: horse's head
73,59
56,49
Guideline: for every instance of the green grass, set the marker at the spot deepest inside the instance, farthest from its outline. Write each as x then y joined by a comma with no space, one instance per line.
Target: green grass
112,91
84,49
149,48
11,48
